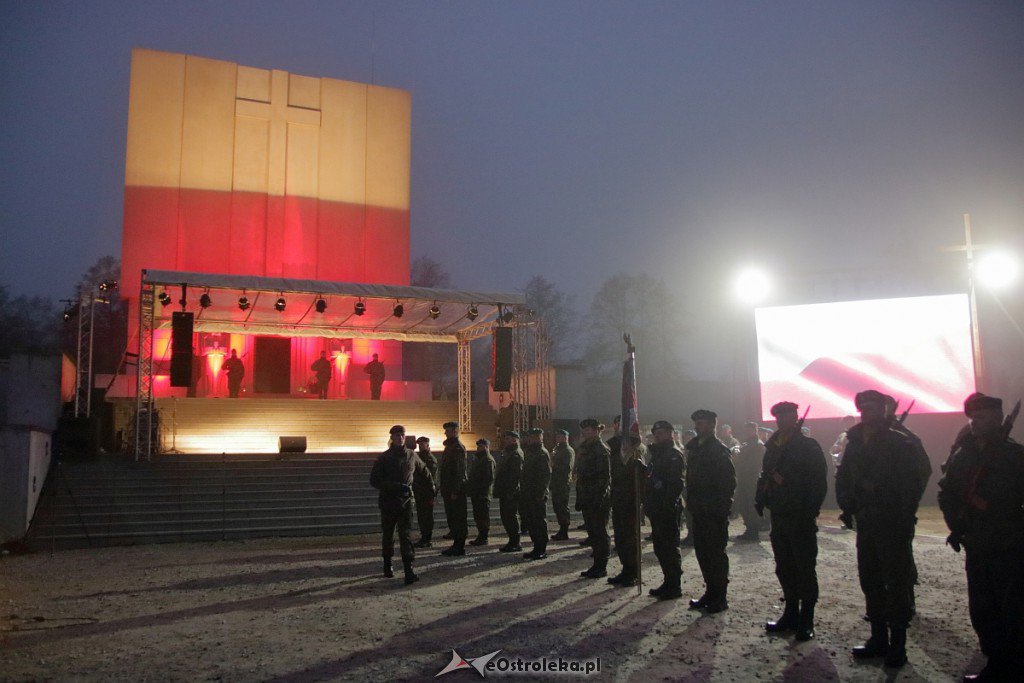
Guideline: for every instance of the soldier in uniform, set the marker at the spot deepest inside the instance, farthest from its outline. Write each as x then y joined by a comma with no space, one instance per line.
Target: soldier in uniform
562,460
534,493
592,493
478,488
628,469
452,473
792,484
710,484
393,474
982,499
508,477
664,505
879,485
747,460
424,487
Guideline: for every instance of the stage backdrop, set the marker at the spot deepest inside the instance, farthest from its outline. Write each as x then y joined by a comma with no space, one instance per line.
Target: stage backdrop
238,170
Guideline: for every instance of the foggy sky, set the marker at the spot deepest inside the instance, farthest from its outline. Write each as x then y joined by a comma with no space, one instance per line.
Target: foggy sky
571,140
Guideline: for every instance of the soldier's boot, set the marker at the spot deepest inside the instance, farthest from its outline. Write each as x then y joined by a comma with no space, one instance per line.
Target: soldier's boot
563,532
877,645
424,541
389,571
788,621
672,588
598,571
686,542
458,549
698,603
748,536
897,655
410,575
481,539
805,623
718,601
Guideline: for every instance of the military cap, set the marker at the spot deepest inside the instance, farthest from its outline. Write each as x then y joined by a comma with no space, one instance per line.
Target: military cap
483,442
662,424
704,414
784,407
535,431
617,420
869,396
450,425
590,423
423,439
979,401
563,432
512,433
397,429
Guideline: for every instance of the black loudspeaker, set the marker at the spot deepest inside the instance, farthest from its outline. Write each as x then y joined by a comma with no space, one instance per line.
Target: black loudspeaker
291,444
181,349
501,359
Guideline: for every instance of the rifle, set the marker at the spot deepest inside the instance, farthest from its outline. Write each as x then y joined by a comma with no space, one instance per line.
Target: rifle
765,486
903,417
1010,419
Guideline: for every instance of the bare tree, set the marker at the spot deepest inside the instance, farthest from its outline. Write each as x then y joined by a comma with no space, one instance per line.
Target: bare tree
437,363
556,309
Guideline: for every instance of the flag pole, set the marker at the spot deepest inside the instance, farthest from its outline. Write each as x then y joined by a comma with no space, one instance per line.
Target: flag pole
631,419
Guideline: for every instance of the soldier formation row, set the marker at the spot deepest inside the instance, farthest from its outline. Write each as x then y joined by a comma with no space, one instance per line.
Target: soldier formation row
882,475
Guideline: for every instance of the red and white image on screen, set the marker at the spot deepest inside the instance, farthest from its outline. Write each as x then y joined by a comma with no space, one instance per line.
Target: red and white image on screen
820,355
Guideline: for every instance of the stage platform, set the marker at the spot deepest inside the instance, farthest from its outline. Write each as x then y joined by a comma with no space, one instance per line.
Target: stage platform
253,425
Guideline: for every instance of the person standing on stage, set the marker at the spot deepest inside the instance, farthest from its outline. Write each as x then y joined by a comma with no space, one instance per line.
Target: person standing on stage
393,474
235,371
879,484
424,488
533,496
710,484
375,369
627,472
508,475
982,499
664,505
452,473
562,461
322,368
478,488
593,493
747,460
792,484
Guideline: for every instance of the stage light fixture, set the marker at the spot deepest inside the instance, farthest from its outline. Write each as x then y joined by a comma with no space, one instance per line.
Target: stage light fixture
320,305
108,285
205,301
399,310
472,313
435,311
280,303
165,298
70,312
508,317
359,308
243,302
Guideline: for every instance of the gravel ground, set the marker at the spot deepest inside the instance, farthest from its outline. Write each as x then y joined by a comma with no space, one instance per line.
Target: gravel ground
317,609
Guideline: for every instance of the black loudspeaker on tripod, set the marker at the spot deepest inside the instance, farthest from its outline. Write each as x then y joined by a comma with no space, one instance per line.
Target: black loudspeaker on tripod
181,348
501,359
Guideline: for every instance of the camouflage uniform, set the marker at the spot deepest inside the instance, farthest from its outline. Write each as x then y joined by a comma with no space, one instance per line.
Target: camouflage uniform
710,484
478,488
508,476
664,505
452,473
592,495
533,495
624,495
562,460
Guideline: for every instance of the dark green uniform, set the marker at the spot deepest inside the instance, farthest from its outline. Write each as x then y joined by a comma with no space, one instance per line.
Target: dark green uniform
533,496
624,494
982,499
924,469
664,505
880,483
562,458
478,488
747,460
593,475
508,476
792,484
393,474
452,473
710,484
424,487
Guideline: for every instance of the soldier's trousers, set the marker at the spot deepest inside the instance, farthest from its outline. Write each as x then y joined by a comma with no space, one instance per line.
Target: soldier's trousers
596,520
402,522
425,516
455,512
665,536
560,506
710,538
995,595
534,514
509,509
745,506
885,566
482,514
795,545
624,524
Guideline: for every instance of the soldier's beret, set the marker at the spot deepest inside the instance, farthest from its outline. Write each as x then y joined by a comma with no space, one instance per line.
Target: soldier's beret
703,414
450,425
617,420
662,424
483,442
397,429
423,439
869,396
690,432
589,423
535,431
563,432
979,401
512,433
784,407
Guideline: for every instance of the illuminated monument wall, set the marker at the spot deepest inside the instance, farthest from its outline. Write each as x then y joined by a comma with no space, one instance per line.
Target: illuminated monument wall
237,170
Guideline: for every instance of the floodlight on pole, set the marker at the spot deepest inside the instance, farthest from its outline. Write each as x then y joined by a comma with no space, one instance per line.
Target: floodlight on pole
997,269
752,286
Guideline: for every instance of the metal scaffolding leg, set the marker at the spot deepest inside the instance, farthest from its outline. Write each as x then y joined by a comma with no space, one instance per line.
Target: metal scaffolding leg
465,387
83,375
144,403
520,380
541,345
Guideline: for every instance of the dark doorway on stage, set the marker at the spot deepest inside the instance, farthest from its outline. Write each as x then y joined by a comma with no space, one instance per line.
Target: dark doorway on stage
272,365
